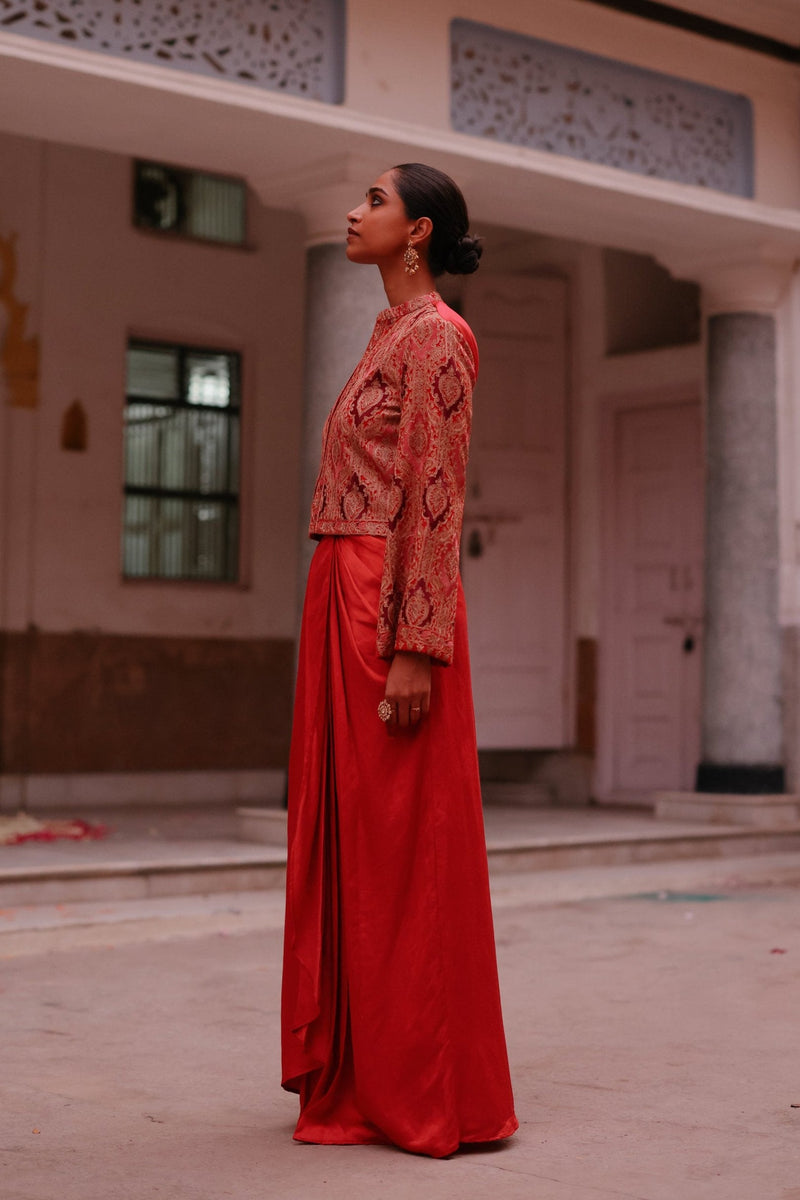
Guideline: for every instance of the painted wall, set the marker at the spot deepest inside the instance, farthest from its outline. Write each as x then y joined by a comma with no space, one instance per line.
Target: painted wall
92,280
100,674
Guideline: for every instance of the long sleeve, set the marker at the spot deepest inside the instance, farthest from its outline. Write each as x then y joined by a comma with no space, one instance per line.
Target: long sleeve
420,576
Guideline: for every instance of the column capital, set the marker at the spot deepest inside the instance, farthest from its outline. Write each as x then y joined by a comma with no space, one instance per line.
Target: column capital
323,191
755,286
756,282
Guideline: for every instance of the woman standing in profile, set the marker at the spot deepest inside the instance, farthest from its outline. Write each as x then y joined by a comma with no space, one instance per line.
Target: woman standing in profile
391,1024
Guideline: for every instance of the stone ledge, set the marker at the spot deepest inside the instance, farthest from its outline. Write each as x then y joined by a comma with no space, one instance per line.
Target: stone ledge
266,825
777,811
139,880
508,793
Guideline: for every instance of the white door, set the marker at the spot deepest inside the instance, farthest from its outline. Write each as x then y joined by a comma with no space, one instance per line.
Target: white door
513,559
655,557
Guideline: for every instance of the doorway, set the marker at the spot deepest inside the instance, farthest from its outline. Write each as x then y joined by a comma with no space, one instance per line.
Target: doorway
652,611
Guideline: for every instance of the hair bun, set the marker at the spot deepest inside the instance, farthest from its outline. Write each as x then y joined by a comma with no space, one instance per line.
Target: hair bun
464,256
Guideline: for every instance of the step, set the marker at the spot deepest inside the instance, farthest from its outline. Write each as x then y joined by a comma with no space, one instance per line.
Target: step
138,870
578,838
593,850
139,879
34,929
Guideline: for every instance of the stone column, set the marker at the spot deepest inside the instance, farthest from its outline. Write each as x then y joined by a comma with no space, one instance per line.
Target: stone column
742,730
342,301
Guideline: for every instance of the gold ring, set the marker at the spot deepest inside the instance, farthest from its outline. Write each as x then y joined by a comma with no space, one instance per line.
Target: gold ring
385,710
416,710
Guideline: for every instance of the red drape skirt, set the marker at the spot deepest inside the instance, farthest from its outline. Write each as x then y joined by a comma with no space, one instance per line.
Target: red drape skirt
391,1022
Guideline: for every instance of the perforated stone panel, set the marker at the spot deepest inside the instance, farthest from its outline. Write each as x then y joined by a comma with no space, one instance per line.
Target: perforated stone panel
293,46
533,93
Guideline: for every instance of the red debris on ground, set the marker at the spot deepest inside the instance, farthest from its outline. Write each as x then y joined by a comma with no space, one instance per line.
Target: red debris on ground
15,830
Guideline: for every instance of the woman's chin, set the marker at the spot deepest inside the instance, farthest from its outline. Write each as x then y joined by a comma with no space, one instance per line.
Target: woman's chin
355,253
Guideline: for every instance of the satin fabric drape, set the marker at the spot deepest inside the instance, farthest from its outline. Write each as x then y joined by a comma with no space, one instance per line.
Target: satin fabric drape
391,1022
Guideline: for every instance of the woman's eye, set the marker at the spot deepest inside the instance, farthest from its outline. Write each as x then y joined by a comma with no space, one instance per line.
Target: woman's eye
375,201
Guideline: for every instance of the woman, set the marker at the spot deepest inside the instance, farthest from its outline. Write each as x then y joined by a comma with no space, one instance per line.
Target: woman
392,1029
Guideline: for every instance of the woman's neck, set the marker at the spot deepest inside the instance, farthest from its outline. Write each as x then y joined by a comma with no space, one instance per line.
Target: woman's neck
400,286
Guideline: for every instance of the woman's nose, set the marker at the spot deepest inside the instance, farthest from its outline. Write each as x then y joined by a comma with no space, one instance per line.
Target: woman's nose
354,214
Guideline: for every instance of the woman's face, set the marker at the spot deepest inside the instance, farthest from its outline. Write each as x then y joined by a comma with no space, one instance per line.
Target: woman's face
379,229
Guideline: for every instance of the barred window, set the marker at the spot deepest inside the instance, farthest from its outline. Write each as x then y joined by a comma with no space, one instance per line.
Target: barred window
182,415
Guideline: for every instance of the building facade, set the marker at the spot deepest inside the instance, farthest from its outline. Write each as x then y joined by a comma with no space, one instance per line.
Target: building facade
177,315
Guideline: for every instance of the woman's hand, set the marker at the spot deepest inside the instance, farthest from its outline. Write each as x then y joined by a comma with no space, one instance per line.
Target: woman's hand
408,688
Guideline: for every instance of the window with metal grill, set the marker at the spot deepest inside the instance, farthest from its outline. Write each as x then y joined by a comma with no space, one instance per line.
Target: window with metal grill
182,416
189,203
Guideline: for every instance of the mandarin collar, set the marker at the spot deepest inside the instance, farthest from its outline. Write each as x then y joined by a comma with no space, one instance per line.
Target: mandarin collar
388,316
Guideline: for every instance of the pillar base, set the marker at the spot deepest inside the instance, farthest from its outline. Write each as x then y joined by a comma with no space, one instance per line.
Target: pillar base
763,812
757,779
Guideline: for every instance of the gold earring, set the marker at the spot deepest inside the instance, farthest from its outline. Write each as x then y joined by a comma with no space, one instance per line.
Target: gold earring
411,259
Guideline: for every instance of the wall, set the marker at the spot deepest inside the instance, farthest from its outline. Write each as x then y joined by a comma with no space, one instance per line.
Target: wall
646,308
387,47
92,280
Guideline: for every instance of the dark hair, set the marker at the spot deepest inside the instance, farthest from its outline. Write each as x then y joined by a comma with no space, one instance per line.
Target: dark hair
426,192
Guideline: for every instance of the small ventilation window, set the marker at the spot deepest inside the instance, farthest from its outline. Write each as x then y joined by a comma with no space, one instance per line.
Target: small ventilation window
189,203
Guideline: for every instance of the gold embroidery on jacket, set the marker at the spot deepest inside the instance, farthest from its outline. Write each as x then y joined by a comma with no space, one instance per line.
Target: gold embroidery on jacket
394,465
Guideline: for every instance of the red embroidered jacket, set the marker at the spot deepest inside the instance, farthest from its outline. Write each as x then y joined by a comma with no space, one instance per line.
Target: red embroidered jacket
394,458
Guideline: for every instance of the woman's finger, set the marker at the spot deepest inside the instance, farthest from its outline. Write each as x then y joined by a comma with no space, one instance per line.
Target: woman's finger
407,713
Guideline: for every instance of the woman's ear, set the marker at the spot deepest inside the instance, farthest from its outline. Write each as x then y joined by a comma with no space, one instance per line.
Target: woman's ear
421,231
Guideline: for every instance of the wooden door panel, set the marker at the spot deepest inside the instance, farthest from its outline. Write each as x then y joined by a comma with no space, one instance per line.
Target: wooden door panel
654,640
651,745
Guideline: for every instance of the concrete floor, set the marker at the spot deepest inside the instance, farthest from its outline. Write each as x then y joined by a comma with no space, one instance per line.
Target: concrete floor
654,1045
